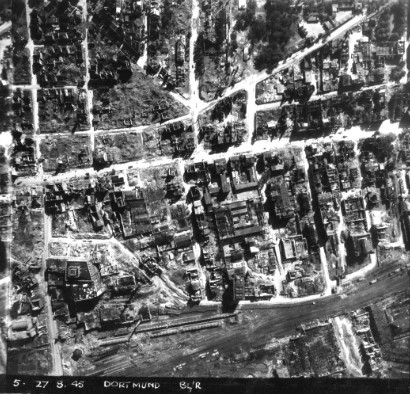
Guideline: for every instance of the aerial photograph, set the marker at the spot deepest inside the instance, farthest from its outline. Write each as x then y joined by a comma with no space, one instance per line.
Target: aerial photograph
211,189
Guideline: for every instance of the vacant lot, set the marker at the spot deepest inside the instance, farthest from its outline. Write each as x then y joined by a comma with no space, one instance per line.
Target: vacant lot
122,147
62,110
135,103
60,153
28,237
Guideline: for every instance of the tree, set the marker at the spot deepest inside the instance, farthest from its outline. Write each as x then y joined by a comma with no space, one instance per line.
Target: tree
220,28
199,56
166,16
234,43
275,29
408,55
251,6
378,75
399,12
386,148
406,87
397,74
246,17
257,30
267,58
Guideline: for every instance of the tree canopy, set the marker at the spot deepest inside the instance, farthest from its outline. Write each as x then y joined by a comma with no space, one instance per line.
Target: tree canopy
246,17
267,58
275,30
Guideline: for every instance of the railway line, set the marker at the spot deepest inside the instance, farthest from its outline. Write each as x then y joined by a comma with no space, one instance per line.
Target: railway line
267,321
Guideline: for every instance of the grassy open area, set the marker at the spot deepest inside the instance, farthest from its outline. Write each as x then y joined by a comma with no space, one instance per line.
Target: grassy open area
266,123
137,102
28,236
176,17
66,68
122,147
63,112
63,153
21,63
58,226
32,362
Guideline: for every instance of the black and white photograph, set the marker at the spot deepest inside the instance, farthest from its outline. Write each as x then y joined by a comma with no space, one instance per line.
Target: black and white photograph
205,196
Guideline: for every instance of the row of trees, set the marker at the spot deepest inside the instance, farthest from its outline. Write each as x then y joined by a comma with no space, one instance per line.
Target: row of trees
199,55
398,10
383,31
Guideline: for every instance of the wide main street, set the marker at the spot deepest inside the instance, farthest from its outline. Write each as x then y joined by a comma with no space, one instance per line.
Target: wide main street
197,106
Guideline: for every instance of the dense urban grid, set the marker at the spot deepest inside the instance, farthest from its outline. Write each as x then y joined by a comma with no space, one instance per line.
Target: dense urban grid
209,188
